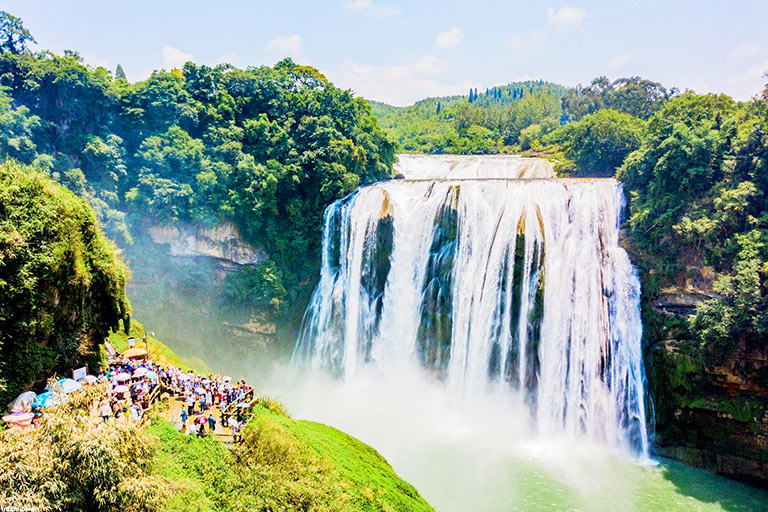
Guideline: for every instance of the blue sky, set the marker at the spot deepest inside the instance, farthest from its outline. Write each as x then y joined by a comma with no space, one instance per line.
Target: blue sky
399,52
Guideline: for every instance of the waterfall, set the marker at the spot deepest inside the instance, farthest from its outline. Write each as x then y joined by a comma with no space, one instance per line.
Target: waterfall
486,272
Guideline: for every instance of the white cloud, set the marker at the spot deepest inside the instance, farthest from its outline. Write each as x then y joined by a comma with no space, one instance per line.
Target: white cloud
520,44
749,83
232,58
399,85
431,65
450,38
372,9
566,16
746,51
175,58
619,61
356,5
96,61
290,46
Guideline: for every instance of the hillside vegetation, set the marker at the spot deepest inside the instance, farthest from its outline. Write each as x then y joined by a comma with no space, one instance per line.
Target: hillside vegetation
267,148
62,285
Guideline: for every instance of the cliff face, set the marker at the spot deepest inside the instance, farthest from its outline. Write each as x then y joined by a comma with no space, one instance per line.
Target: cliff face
182,287
222,243
709,413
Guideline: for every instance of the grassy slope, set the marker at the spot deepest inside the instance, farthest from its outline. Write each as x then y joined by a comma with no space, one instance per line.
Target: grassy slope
158,352
282,464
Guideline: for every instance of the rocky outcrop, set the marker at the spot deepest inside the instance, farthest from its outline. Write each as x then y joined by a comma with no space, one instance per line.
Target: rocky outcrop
711,414
222,243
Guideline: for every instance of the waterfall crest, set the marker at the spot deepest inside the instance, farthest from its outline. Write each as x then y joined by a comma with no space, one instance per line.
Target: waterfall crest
487,281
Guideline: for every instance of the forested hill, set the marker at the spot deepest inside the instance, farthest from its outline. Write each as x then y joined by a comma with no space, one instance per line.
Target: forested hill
478,122
512,117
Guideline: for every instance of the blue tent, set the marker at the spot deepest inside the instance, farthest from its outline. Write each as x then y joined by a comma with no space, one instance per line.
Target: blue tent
45,400
69,385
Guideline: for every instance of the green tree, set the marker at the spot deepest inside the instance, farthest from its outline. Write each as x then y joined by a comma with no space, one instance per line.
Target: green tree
600,142
119,73
13,36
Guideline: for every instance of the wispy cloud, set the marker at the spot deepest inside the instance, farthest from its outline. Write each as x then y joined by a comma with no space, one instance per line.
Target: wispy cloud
619,61
231,58
746,51
520,43
175,58
400,84
373,9
290,45
749,83
566,17
449,39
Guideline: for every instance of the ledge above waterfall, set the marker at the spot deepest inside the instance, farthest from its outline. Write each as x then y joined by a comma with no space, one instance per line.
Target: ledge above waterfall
432,167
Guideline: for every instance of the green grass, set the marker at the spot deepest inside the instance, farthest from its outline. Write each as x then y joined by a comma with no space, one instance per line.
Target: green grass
158,352
310,464
282,464
200,470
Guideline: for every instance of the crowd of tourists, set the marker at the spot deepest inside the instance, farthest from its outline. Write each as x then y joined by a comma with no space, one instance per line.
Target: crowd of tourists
132,384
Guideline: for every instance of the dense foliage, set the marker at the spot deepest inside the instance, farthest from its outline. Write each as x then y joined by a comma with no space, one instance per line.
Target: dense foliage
600,142
68,464
476,124
267,148
62,287
699,184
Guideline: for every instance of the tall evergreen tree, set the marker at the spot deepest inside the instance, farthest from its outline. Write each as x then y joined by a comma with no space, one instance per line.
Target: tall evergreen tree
119,73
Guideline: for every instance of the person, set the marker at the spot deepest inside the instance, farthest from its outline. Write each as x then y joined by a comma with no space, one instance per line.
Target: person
184,415
190,404
105,410
211,421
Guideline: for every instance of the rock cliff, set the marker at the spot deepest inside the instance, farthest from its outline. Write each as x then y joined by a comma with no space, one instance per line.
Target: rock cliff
223,243
709,413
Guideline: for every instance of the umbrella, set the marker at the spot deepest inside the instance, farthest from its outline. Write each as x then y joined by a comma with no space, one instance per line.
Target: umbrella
69,385
205,381
120,389
123,376
23,402
88,379
243,405
19,418
182,376
226,378
140,372
151,375
199,390
132,353
45,400
200,420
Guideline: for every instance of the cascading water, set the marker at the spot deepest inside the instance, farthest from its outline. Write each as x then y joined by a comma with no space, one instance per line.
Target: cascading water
487,282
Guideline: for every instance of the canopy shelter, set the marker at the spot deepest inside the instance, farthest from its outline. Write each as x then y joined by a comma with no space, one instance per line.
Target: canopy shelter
22,403
19,419
46,400
69,385
134,353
